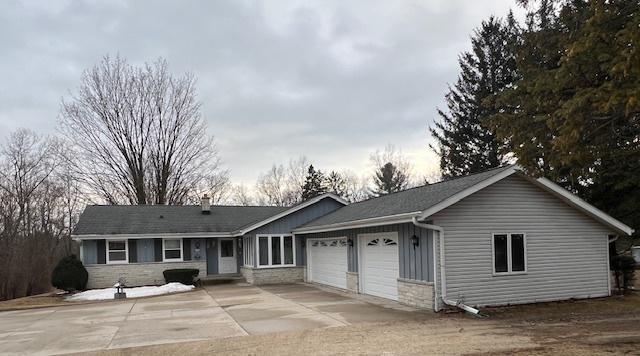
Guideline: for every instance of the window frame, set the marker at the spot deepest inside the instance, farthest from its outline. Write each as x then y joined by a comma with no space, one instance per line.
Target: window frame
164,249
126,252
509,251
270,250
248,250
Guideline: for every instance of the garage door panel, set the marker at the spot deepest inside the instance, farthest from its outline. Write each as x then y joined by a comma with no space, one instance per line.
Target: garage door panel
380,265
328,262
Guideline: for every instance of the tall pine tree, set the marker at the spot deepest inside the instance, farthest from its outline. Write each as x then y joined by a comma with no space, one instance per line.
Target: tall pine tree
314,184
335,183
574,116
389,179
463,142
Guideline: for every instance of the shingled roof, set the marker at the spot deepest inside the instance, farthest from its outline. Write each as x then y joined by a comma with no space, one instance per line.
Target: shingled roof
404,202
158,219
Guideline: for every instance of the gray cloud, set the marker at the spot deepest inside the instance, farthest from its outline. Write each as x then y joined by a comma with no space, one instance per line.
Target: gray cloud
330,80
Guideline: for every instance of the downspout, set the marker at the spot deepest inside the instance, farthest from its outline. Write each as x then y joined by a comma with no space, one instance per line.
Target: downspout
443,280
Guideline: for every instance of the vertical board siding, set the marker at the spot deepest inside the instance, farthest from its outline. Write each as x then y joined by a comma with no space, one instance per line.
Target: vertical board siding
287,223
415,263
567,251
133,250
102,251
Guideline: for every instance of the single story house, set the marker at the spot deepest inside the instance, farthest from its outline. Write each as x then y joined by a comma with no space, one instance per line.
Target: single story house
494,238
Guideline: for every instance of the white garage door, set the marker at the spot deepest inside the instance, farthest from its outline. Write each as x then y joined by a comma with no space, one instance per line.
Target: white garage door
379,265
328,261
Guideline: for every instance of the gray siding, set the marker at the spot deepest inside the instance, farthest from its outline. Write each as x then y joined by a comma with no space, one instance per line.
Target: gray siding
198,253
415,263
566,250
286,224
212,255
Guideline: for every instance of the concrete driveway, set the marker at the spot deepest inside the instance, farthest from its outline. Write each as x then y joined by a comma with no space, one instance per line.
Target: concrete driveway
212,312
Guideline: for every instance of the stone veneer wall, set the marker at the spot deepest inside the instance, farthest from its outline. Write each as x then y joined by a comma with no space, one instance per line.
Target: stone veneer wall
414,293
258,276
352,282
136,274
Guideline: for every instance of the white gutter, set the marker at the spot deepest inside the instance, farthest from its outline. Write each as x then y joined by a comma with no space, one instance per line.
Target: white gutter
443,279
150,236
377,221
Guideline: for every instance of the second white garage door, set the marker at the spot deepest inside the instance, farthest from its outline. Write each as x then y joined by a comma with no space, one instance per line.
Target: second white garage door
379,264
328,261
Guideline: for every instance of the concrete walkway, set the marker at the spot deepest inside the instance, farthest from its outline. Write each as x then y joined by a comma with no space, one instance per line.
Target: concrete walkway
213,312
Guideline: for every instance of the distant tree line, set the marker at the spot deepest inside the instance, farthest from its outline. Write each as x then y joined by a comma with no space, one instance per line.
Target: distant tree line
558,95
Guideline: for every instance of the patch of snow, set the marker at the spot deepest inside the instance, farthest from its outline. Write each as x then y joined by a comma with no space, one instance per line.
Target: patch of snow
137,292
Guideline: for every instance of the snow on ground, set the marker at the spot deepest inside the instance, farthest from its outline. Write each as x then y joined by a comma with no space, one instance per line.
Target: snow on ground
137,292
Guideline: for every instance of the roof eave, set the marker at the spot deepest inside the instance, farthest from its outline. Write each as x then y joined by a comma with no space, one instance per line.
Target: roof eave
300,206
581,205
78,237
354,224
468,191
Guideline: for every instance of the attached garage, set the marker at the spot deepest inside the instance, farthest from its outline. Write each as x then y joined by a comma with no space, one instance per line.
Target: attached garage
327,261
379,264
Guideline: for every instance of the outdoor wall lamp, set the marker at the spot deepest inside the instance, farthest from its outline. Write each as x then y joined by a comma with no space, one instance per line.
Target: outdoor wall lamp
350,242
415,240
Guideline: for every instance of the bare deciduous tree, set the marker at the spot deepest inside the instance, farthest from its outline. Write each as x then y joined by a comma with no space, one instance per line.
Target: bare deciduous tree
282,186
138,134
241,195
37,213
356,188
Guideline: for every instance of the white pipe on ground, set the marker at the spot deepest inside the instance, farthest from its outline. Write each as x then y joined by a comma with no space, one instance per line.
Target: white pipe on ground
443,280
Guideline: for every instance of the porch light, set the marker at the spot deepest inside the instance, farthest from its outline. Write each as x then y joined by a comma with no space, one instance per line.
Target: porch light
415,240
350,242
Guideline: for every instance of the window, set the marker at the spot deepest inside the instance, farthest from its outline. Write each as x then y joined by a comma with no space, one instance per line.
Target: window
509,253
248,249
117,251
226,248
276,251
172,250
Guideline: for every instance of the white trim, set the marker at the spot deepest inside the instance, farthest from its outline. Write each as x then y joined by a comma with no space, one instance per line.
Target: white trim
509,271
609,264
126,253
181,259
289,211
589,209
270,251
151,236
247,251
377,221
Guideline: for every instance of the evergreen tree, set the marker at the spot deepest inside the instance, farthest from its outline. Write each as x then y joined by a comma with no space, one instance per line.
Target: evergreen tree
463,143
336,184
313,184
574,116
389,179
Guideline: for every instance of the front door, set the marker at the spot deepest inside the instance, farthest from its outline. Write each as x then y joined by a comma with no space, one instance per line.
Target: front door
227,261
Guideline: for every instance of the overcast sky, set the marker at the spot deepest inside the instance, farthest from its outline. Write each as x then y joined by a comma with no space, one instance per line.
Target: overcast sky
277,79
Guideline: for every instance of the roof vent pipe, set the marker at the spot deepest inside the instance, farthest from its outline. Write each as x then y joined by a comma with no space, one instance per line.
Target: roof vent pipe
206,204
